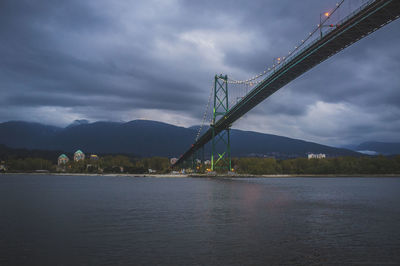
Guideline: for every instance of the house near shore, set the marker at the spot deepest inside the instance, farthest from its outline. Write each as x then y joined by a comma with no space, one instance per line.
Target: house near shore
173,160
94,157
3,166
79,155
62,159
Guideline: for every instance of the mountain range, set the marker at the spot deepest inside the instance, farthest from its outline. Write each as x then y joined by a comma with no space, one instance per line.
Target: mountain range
149,138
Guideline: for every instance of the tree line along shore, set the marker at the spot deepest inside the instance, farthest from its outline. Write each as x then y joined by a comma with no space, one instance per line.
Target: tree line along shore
378,165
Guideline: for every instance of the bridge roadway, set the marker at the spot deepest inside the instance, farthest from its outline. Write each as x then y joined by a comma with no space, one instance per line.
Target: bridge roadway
369,19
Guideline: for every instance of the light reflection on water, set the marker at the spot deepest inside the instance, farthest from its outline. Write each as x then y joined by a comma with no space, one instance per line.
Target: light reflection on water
101,220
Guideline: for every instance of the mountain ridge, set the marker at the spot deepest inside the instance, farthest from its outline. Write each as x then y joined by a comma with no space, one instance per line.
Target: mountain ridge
150,138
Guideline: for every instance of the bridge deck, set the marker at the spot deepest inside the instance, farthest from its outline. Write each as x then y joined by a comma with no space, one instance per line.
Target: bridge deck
356,27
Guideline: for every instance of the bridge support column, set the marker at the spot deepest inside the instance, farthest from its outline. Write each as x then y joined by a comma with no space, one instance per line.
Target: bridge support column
221,146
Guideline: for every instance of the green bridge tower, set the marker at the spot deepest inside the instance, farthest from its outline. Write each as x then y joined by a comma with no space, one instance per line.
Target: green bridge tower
221,146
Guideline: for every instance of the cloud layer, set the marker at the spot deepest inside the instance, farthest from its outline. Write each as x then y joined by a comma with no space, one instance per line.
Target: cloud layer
155,59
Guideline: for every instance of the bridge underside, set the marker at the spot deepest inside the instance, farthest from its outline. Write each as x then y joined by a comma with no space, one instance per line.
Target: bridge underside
363,23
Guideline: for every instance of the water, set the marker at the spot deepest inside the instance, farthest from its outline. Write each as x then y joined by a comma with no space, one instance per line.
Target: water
104,220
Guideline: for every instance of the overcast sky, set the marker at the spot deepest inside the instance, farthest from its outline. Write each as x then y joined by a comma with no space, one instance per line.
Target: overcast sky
155,59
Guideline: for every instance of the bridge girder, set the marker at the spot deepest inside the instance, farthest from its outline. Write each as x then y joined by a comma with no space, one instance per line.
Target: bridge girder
356,27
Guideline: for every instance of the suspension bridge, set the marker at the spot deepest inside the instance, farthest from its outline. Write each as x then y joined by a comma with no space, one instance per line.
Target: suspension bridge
331,35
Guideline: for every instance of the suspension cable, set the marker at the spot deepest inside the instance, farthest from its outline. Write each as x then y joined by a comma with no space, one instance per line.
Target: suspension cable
205,114
253,80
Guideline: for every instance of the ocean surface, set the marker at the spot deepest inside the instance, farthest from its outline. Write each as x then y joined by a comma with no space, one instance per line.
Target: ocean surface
112,220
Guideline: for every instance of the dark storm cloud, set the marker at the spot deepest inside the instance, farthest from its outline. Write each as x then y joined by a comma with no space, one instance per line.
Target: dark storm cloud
122,60
40,71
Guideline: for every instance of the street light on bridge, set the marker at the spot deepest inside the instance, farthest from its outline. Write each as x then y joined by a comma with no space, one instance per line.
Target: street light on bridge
326,14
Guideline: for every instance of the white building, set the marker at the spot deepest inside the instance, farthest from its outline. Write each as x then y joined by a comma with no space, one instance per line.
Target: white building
79,155
3,166
316,156
63,159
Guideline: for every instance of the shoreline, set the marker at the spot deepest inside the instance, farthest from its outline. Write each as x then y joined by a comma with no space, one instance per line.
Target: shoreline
211,176
296,176
91,174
